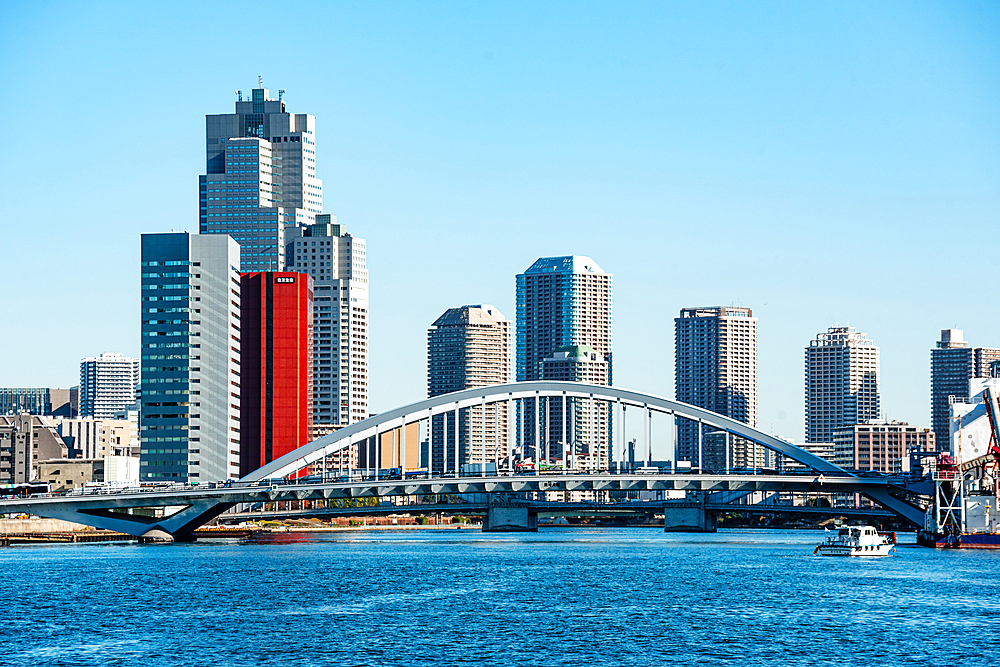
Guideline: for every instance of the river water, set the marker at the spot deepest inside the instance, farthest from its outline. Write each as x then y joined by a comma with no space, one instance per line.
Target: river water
630,596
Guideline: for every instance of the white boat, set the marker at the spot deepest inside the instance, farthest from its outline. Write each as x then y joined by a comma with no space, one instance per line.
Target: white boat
856,541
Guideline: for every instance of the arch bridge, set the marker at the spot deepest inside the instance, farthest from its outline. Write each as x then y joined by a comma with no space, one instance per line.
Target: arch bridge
517,412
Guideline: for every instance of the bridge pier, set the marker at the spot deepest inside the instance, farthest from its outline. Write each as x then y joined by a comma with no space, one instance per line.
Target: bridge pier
688,517
505,515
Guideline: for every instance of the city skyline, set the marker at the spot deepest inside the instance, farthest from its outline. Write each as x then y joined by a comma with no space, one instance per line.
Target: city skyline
914,166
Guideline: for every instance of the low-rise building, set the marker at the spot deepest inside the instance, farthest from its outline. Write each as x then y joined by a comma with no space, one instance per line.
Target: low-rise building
90,438
121,470
44,401
879,445
824,450
25,440
68,474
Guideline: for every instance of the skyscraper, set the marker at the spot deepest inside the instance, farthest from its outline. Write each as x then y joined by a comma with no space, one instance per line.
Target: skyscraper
953,364
337,263
260,176
715,354
842,382
468,347
107,384
564,301
276,325
190,404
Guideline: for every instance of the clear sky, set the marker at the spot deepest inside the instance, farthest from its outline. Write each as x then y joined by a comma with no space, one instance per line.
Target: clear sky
821,163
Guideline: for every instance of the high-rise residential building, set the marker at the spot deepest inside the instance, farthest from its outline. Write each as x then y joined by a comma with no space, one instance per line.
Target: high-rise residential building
107,384
715,355
468,347
563,301
953,364
190,365
879,445
338,266
260,177
842,382
276,365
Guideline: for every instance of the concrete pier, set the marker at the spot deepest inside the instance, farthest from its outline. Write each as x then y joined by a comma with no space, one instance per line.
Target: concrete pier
689,517
509,515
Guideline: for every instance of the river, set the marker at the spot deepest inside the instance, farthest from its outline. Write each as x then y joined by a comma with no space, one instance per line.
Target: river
562,596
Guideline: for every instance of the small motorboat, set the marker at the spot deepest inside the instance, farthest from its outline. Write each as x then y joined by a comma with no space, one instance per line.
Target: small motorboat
857,541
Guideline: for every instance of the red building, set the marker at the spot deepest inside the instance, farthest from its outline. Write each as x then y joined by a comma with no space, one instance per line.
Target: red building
276,321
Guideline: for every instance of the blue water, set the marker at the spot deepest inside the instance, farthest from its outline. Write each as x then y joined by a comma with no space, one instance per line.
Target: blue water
559,597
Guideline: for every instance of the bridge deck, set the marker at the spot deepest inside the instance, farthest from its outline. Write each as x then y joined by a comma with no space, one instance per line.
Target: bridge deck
191,507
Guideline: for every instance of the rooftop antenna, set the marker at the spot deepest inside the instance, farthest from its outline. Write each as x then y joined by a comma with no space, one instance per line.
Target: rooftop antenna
281,93
239,95
260,81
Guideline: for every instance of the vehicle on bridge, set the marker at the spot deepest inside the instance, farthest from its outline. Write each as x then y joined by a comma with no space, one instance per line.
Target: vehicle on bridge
28,490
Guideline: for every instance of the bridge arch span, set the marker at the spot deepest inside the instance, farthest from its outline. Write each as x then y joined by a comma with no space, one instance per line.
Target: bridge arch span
346,437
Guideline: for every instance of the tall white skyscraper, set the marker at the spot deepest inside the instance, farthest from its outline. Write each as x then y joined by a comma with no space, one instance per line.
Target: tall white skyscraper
842,382
190,405
260,177
107,384
336,261
715,354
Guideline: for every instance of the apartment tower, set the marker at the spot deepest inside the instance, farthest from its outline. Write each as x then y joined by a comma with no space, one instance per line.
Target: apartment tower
842,382
190,364
337,264
564,301
468,347
715,354
107,384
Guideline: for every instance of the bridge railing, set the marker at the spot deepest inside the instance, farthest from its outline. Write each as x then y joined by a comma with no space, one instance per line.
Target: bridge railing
387,477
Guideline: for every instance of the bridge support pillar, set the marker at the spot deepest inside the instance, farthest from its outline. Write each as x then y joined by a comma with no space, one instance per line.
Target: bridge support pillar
688,517
506,516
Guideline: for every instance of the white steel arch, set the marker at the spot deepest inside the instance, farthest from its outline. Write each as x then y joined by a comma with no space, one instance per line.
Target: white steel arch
446,403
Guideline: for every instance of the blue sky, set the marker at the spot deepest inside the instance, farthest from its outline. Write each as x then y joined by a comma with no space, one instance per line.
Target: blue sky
820,163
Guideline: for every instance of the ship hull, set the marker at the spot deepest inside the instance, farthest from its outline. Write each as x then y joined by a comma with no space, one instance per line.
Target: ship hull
839,550
961,541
